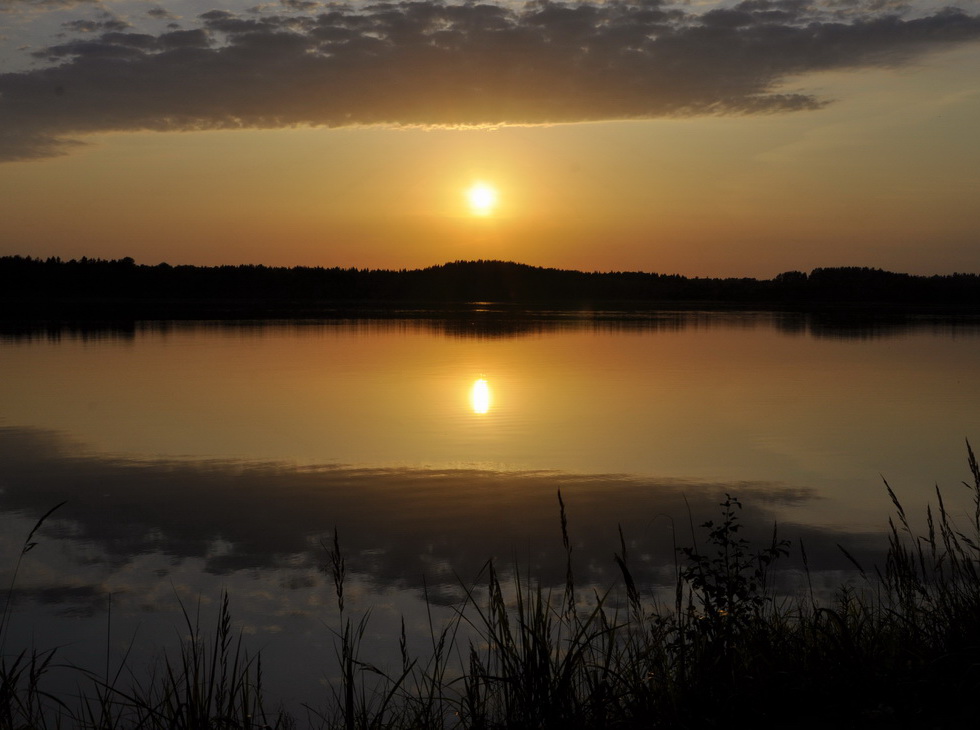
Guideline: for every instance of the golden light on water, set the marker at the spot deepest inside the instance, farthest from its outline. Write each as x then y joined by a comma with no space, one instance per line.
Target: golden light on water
482,198
480,396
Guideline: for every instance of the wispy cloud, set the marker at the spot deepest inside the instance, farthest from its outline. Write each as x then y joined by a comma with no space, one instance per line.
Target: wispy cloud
11,5
430,63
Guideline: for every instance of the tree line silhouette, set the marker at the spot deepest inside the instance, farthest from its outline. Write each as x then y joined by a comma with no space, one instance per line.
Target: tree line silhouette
41,287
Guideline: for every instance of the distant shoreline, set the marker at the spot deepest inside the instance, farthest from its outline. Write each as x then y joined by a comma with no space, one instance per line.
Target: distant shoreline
121,290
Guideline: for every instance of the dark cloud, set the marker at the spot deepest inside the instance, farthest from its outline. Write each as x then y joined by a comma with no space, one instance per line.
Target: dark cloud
301,5
161,13
184,39
10,5
91,26
428,63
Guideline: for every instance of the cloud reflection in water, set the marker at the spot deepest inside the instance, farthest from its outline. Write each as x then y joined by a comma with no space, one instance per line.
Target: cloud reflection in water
397,523
143,535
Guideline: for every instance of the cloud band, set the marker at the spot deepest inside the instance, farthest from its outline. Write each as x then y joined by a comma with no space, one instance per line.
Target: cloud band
430,63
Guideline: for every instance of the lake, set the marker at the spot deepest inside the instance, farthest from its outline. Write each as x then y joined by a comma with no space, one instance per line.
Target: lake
200,457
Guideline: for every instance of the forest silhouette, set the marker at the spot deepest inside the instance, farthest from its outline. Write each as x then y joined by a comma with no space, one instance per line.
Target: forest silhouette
79,288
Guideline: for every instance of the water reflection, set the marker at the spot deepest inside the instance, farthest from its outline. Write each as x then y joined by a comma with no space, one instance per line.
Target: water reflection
501,321
480,396
399,525
362,426
708,397
142,536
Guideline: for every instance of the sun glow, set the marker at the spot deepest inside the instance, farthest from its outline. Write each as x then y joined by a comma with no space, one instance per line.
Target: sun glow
482,198
480,396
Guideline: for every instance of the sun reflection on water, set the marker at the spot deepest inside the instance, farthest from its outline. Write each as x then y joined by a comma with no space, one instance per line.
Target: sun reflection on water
480,396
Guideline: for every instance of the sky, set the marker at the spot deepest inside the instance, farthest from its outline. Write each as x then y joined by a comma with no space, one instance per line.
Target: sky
700,138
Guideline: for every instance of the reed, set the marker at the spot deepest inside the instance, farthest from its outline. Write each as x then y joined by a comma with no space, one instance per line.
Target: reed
899,645
22,698
212,683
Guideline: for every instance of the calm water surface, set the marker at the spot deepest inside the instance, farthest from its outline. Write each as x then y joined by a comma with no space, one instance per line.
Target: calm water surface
201,457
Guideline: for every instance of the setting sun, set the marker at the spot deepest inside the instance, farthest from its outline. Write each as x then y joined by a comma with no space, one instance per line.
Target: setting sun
482,198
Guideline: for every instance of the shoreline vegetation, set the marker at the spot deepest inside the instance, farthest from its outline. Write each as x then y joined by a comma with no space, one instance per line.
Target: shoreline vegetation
898,646
98,289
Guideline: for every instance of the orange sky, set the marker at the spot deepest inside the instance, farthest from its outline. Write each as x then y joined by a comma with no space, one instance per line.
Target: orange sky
869,160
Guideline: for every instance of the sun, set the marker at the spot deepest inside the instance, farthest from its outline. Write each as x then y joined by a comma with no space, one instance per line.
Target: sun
482,198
